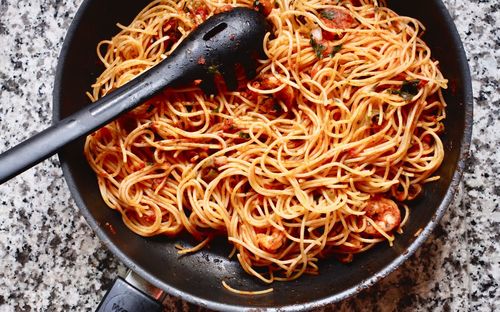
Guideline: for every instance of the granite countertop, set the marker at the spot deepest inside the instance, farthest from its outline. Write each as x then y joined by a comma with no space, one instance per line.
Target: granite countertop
50,260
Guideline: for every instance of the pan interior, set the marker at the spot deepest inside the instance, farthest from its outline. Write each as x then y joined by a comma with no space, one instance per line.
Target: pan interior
198,277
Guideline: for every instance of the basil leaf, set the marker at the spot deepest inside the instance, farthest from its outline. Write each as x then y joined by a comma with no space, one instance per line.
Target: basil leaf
335,50
317,47
408,89
329,15
213,69
244,135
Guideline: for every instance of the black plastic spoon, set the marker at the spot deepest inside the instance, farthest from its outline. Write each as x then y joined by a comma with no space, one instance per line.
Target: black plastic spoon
222,41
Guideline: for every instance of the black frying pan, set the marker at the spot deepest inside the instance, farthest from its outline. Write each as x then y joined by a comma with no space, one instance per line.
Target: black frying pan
197,278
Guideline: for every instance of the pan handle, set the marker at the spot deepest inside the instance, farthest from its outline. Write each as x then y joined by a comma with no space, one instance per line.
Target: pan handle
132,294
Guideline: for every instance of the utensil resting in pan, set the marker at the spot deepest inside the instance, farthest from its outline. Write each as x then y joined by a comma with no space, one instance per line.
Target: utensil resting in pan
222,41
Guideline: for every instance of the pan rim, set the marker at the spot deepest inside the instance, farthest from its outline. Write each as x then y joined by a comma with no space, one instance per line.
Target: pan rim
371,280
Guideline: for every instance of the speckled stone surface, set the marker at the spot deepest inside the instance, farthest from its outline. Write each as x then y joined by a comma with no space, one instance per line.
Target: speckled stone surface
51,261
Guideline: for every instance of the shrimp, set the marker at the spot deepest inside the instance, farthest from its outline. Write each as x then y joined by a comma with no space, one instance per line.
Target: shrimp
385,213
272,242
337,18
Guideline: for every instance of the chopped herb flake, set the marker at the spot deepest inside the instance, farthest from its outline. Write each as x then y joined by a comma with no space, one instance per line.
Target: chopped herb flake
335,50
213,69
243,135
277,107
330,15
408,89
317,47
212,174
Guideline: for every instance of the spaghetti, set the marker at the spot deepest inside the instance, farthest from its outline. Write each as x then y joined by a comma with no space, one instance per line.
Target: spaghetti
312,158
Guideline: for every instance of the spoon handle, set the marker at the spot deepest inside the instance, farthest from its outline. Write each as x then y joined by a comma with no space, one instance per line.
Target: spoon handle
222,40
47,142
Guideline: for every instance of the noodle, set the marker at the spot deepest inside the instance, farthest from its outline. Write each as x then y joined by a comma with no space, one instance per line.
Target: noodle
312,158
246,292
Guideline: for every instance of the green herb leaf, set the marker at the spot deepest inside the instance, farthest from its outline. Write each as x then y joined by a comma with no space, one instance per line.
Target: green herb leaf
213,69
212,174
256,3
408,89
243,135
330,15
317,47
277,107
335,50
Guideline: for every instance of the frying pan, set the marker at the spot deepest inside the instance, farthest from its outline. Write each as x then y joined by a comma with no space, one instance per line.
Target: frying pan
197,278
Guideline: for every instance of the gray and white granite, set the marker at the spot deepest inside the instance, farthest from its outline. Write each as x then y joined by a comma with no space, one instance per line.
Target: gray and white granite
51,261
